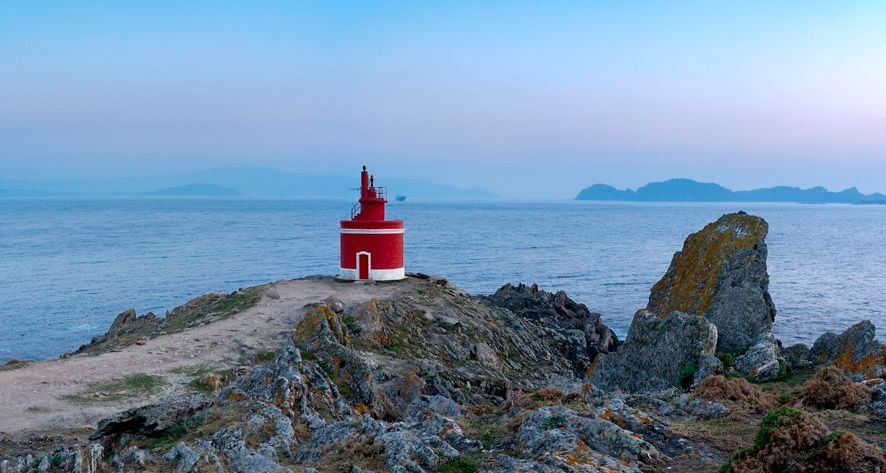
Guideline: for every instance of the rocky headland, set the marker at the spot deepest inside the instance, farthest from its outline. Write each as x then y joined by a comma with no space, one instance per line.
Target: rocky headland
318,375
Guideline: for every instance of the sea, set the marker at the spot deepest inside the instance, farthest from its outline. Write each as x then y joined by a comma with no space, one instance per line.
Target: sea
68,266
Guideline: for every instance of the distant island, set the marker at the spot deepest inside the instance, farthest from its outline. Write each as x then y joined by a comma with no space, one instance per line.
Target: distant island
687,190
195,190
249,181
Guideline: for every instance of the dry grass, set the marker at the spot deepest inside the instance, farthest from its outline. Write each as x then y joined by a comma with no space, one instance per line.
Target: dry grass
736,393
794,440
830,388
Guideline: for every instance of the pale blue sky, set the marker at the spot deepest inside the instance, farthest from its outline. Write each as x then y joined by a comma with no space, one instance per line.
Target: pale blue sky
544,96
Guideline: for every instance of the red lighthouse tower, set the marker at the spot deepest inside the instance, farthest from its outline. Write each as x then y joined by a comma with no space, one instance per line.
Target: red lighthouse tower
371,247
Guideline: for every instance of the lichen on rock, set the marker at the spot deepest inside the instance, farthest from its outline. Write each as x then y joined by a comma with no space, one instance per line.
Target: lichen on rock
660,353
721,274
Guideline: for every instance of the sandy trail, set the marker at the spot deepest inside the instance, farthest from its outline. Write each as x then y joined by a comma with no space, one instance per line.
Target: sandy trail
33,398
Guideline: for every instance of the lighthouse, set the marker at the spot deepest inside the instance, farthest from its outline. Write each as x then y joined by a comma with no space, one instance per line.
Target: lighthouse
371,247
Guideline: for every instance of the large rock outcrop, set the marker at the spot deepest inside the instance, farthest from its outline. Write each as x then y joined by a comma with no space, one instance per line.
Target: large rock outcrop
857,351
660,352
584,335
721,274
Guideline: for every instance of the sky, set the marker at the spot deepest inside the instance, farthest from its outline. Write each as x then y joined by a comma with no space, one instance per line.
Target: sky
528,99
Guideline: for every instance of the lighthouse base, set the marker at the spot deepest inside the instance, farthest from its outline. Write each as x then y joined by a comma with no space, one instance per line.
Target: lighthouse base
374,274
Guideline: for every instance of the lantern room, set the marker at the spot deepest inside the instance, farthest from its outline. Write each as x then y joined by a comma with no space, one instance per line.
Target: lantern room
371,247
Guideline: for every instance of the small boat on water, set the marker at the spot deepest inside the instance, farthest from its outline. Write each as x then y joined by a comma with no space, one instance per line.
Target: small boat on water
400,198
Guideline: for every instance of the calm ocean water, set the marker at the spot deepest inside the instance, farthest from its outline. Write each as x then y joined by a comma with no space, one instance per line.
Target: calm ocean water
68,266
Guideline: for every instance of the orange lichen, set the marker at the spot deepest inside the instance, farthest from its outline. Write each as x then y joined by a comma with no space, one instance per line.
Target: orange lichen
690,283
846,360
236,396
608,415
594,364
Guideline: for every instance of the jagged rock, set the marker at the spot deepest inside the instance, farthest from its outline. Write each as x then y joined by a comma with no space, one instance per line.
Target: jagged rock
856,350
88,460
507,464
408,446
721,274
153,419
659,353
877,392
185,457
126,328
439,405
698,408
135,457
231,443
324,335
559,437
128,321
761,362
293,386
798,356
584,334
335,304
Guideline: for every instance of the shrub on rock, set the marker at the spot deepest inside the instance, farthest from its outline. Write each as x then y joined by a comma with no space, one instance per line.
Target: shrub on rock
830,388
790,440
736,393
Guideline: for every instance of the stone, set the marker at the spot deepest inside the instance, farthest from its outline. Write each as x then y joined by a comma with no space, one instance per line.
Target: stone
659,353
184,457
335,304
135,457
152,419
721,274
856,350
761,362
798,356
582,333
558,436
427,405
700,409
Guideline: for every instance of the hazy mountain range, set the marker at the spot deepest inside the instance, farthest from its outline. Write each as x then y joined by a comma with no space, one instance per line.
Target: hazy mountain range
687,190
237,181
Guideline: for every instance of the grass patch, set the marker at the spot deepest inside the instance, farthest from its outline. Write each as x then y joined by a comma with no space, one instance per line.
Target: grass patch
687,375
308,356
197,373
791,379
489,430
728,359
395,348
553,422
134,385
265,356
38,409
196,370
14,364
174,434
227,305
466,463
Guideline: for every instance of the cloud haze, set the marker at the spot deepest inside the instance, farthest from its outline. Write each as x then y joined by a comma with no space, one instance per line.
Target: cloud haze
547,96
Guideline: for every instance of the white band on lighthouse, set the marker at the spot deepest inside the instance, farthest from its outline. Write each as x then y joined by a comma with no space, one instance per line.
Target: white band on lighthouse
372,231
376,274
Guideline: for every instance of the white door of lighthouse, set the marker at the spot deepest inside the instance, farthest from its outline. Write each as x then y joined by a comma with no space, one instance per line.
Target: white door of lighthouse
364,263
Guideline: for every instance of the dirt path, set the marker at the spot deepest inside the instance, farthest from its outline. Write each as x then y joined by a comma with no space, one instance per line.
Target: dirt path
66,394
